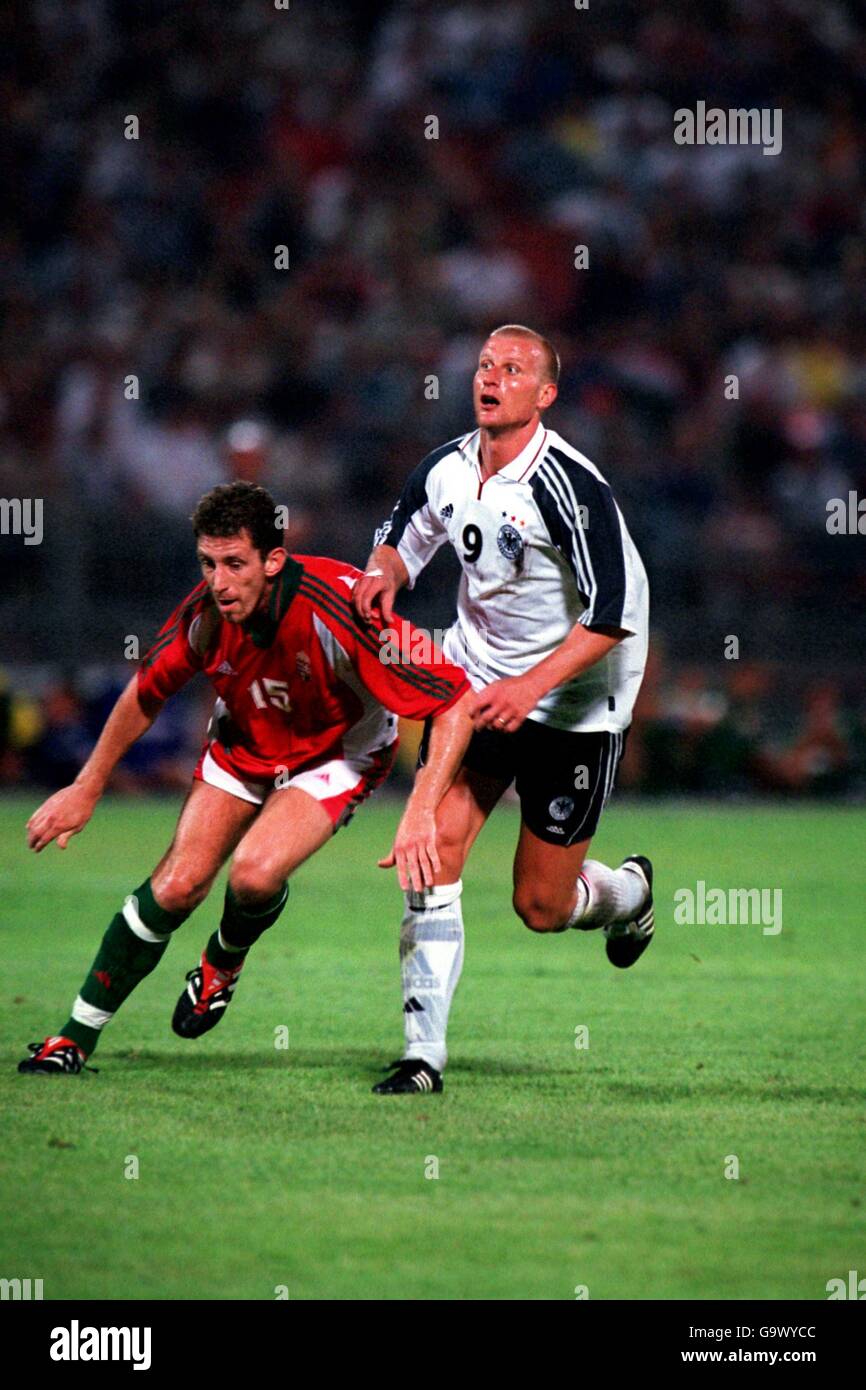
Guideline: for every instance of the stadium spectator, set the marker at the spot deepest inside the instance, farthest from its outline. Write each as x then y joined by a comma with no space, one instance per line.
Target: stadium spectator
146,317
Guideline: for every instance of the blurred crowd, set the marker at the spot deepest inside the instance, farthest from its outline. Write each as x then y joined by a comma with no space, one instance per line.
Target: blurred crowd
46,735
429,167
750,733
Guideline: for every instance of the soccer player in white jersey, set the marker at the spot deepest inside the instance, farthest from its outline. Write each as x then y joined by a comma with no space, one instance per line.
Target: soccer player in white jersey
552,633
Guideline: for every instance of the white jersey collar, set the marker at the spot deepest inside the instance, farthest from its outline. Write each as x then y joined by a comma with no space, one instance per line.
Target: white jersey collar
520,468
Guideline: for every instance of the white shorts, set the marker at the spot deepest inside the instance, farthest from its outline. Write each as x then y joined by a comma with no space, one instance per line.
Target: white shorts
340,784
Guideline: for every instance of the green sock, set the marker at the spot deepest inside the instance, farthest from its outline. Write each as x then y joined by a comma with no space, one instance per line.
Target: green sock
242,927
219,957
126,955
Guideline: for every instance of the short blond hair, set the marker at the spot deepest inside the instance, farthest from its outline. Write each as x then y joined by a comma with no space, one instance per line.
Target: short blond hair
552,364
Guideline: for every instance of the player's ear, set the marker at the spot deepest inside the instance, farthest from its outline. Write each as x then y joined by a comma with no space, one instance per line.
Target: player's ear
547,395
274,561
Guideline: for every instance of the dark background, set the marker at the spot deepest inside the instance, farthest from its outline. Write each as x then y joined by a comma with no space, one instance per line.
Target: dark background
305,128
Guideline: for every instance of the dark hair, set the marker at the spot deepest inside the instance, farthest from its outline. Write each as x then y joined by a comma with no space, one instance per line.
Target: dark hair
232,507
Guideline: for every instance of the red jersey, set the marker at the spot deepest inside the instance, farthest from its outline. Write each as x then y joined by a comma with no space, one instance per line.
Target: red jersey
301,683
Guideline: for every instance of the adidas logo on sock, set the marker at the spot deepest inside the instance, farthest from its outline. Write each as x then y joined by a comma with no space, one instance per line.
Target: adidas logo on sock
412,1006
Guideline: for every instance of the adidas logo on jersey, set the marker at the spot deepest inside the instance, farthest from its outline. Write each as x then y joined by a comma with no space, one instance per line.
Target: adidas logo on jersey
225,668
447,512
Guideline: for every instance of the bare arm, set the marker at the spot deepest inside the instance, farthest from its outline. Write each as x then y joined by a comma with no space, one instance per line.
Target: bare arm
506,703
449,737
67,812
581,649
414,849
374,595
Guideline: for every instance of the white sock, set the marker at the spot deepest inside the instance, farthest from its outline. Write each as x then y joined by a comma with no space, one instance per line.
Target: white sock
606,895
431,959
580,913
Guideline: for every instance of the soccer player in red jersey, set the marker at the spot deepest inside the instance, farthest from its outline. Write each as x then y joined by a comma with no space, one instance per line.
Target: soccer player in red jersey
304,730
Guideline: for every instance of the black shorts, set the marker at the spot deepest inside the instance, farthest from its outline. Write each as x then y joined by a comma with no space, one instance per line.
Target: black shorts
563,779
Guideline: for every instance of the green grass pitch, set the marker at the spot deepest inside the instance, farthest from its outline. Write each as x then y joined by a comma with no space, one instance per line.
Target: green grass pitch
558,1167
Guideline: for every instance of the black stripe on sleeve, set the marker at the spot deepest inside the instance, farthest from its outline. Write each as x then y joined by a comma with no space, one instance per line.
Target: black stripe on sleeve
413,498
596,537
550,501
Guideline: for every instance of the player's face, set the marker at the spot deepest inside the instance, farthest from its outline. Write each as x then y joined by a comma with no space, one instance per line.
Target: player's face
237,576
510,385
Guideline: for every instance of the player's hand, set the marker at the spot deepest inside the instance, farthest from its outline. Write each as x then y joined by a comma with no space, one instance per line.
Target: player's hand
414,851
373,597
504,704
60,817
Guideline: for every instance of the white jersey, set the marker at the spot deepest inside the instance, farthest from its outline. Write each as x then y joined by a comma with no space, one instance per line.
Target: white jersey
543,546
